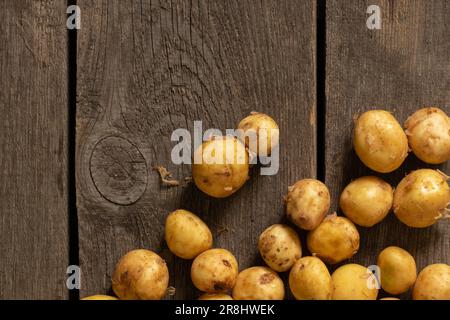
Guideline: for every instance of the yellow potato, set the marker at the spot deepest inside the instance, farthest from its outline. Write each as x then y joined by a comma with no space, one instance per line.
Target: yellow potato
367,200
214,271
258,283
215,296
99,297
260,133
428,132
353,282
309,279
186,234
307,203
433,283
220,166
380,141
389,298
280,247
334,240
140,275
397,270
421,198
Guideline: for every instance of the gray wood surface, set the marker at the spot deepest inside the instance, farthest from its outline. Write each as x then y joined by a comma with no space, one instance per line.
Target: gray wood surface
33,150
146,68
402,67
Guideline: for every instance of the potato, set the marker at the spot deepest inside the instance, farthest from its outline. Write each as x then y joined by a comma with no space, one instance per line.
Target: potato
215,296
280,247
428,132
258,283
433,283
214,271
260,133
99,297
334,240
389,298
353,282
421,198
380,141
307,203
309,279
220,166
367,200
140,275
186,234
397,270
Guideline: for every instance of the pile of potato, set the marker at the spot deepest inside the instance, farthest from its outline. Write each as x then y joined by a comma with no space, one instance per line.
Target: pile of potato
419,200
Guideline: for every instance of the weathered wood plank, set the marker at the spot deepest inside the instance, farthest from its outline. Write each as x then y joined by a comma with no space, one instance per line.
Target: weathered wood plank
146,68
402,67
33,150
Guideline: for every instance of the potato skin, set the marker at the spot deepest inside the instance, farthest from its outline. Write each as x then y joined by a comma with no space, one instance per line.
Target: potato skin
421,198
433,283
367,200
280,247
380,141
334,240
398,270
307,203
215,296
186,234
140,275
99,297
258,283
255,122
351,283
214,271
309,279
221,175
428,132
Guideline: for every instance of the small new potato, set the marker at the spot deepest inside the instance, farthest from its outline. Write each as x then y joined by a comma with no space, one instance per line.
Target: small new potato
260,133
433,283
397,270
280,247
307,203
140,275
186,234
214,271
99,297
354,282
309,279
220,166
215,296
367,200
334,240
421,198
380,141
258,283
428,132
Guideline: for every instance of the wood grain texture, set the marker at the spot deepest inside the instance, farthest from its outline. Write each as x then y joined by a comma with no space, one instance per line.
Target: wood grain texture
402,67
146,68
33,150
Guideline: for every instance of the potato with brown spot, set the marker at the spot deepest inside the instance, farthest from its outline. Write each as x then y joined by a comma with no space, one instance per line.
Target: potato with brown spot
421,198
428,132
367,200
215,296
433,283
214,271
280,247
260,133
334,240
380,141
354,282
258,283
140,275
309,279
186,234
307,203
221,166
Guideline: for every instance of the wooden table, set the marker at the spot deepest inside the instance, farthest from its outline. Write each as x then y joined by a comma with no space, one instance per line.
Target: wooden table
86,116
